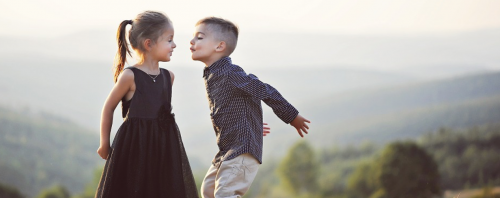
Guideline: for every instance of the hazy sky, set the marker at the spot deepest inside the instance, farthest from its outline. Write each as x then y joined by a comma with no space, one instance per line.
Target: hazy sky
51,18
373,34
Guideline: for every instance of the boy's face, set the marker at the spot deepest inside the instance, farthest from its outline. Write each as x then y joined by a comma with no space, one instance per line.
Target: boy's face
203,45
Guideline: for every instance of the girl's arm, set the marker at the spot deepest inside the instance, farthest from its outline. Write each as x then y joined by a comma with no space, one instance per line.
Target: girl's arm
123,86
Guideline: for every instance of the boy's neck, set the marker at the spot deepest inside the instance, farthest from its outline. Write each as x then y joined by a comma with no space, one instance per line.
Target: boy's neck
213,60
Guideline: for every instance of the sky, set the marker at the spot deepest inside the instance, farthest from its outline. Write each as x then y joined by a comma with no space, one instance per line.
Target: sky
51,18
384,35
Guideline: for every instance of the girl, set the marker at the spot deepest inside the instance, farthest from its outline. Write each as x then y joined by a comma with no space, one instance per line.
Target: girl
147,157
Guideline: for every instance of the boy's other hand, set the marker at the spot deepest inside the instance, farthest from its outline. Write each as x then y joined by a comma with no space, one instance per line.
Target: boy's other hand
300,124
267,130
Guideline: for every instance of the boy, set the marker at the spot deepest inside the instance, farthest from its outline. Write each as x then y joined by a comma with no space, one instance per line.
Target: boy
236,111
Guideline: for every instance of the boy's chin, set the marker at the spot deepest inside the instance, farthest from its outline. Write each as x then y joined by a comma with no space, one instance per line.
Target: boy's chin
195,58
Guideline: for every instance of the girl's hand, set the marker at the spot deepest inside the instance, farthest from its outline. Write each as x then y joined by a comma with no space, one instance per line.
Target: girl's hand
300,124
103,151
267,130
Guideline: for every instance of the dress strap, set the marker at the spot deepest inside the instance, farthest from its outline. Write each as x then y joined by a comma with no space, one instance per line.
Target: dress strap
167,76
168,84
129,67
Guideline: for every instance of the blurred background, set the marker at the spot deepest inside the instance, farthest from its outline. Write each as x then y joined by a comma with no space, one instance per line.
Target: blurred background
404,96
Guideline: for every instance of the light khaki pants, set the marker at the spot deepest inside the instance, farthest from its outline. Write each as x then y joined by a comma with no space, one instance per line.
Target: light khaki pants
232,179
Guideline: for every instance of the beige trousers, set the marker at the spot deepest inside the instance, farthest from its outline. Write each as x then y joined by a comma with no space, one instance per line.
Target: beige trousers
232,179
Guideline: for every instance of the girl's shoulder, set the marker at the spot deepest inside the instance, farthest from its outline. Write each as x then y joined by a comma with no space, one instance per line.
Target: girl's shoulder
126,76
127,72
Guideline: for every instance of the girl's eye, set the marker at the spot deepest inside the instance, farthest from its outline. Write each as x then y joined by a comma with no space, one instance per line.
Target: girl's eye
199,38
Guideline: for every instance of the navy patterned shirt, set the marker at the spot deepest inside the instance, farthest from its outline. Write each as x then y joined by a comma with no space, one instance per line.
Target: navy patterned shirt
235,109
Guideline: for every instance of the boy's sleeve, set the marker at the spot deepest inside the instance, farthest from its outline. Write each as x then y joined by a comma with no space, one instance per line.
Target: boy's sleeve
251,85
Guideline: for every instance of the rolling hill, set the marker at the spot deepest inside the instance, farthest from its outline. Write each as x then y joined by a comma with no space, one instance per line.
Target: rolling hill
38,150
397,112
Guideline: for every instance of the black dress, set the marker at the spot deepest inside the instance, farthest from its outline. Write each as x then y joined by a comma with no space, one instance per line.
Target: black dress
147,158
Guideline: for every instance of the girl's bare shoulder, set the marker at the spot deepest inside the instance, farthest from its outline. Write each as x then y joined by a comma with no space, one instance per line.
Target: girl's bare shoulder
126,77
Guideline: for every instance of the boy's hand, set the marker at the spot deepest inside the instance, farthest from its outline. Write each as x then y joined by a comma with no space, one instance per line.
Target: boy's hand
267,130
300,124
103,151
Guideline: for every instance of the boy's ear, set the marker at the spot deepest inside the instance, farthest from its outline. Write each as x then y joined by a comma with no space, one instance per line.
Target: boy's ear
221,47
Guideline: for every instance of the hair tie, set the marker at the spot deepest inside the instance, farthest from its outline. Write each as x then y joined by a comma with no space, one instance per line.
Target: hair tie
129,21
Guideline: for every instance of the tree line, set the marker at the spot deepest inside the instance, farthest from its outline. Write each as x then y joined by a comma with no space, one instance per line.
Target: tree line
447,159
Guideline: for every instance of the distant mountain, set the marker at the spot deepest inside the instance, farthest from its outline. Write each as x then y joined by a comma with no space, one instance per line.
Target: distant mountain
440,55
391,99
399,112
431,56
40,150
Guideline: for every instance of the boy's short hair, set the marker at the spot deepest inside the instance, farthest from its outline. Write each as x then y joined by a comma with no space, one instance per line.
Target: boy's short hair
224,30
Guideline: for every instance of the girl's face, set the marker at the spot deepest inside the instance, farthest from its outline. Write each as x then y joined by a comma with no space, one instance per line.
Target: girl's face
164,46
203,45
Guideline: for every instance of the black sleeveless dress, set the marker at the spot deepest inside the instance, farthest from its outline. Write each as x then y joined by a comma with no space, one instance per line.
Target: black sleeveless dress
147,158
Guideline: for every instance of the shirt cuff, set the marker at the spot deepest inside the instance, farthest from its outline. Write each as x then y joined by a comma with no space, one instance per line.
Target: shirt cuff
290,116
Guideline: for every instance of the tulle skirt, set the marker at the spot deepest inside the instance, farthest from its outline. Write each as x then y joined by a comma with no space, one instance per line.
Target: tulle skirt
147,159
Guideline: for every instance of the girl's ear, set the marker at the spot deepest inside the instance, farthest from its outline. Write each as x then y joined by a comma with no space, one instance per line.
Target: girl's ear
147,44
221,47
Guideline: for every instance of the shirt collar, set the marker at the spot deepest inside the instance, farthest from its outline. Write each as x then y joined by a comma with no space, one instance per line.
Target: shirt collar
217,66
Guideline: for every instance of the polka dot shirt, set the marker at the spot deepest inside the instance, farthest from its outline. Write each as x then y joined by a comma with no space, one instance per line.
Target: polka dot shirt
235,109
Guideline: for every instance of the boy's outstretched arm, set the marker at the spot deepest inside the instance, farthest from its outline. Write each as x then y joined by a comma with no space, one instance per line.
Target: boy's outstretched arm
251,85
300,124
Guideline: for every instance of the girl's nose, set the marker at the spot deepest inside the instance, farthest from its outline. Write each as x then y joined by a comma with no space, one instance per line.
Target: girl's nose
191,42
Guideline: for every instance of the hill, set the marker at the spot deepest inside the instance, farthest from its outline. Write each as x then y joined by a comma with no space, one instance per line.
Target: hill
466,159
397,112
38,150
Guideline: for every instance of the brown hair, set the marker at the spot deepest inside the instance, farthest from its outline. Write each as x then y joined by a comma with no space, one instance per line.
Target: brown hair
147,25
223,29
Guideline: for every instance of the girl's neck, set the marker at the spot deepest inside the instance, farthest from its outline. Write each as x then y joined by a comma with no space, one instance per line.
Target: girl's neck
148,65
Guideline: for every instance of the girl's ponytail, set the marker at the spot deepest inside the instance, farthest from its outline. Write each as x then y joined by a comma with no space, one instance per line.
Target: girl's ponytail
123,50
147,25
